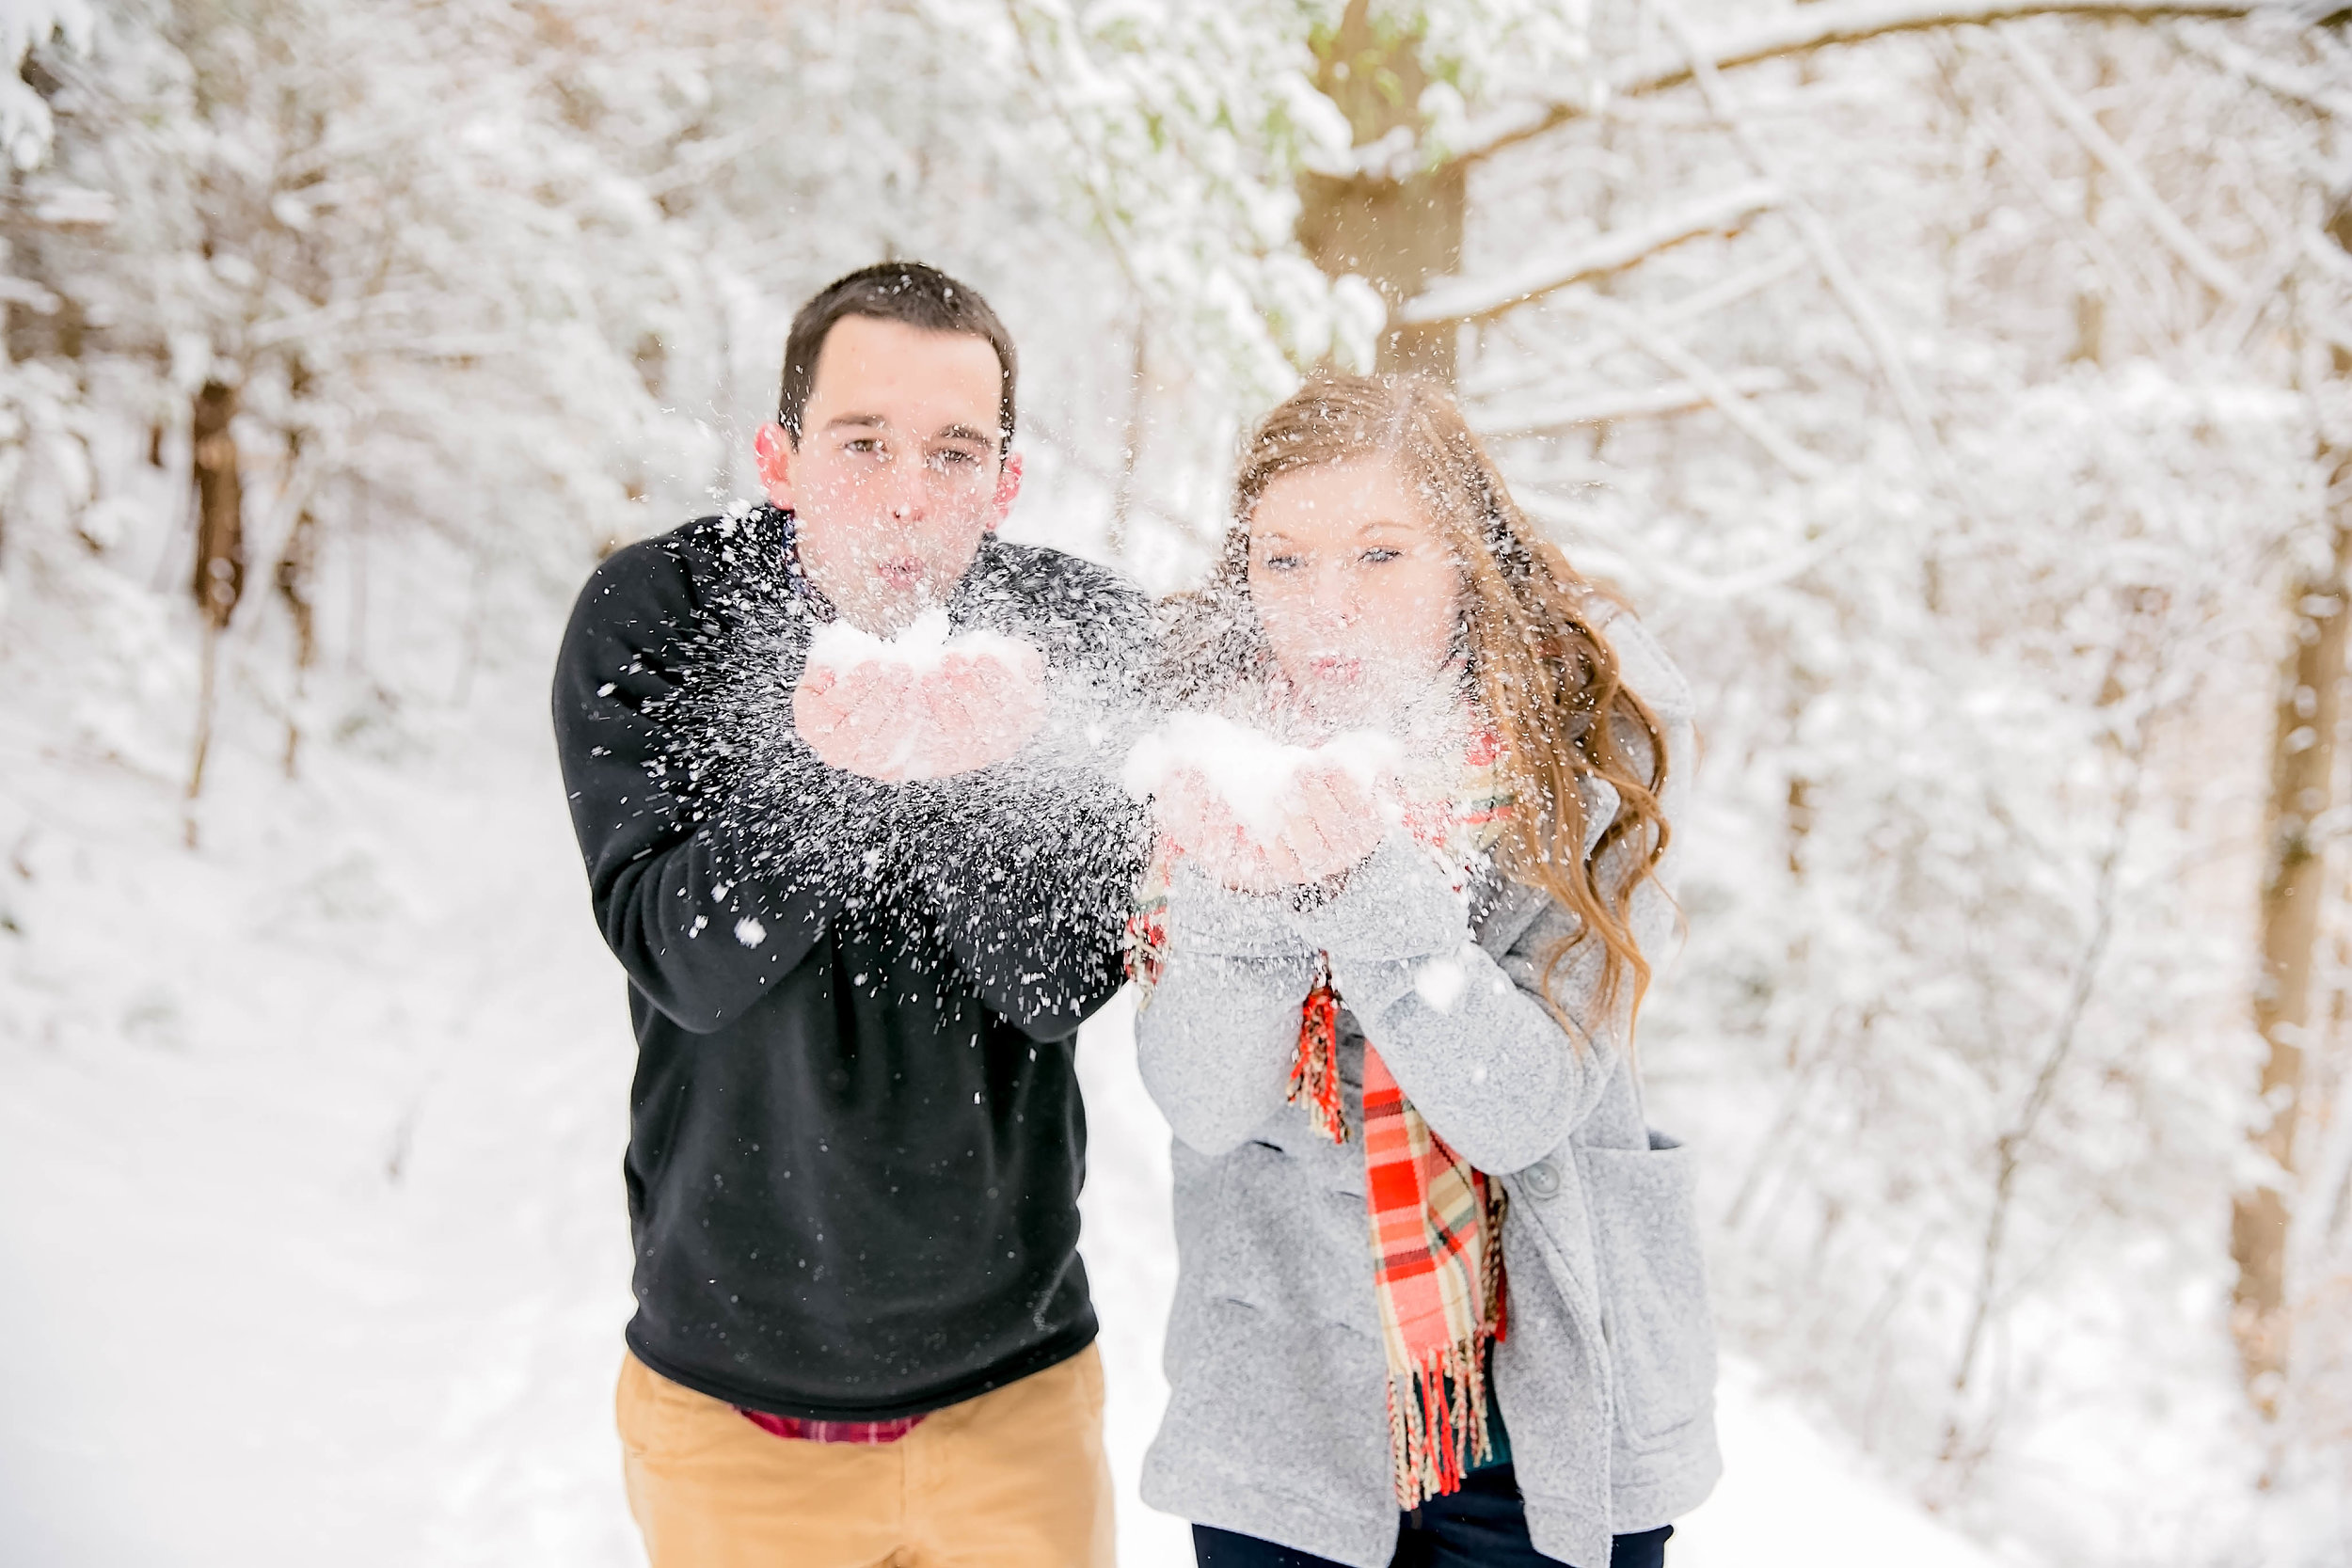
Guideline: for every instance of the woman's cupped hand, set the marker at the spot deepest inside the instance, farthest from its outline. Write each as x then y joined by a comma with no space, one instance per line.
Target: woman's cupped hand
1324,820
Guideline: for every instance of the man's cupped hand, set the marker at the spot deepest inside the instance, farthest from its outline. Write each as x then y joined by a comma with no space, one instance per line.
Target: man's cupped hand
893,721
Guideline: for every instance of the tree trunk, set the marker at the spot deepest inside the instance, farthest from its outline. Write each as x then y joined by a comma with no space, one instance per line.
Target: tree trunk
2302,771
2090,301
2302,783
219,506
293,582
1396,234
219,577
292,579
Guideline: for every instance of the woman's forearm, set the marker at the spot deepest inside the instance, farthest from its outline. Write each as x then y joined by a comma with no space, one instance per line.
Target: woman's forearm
1481,1057
1216,1032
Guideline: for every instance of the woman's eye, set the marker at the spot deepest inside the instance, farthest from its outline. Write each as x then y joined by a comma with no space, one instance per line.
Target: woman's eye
1382,556
1280,563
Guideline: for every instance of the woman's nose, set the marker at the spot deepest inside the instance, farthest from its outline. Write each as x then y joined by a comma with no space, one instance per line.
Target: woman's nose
1333,599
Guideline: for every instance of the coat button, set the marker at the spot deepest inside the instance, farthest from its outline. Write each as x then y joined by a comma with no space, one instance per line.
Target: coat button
1541,1179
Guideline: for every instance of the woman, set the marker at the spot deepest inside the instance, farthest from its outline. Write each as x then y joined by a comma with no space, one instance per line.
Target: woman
1439,1297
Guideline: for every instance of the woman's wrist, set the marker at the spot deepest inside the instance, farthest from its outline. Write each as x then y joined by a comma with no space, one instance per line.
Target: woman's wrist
1394,905
1205,915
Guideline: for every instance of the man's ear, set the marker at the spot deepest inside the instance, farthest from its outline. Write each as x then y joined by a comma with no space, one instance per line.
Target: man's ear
773,450
1007,488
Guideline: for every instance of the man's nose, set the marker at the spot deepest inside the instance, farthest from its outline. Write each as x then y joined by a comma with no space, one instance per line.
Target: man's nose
905,485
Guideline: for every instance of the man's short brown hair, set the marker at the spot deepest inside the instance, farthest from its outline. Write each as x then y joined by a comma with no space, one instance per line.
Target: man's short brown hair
905,292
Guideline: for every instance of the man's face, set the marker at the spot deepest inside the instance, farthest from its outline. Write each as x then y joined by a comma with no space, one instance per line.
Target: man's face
896,476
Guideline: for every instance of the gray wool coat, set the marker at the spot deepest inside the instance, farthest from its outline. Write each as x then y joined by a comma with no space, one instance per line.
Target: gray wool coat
1277,1423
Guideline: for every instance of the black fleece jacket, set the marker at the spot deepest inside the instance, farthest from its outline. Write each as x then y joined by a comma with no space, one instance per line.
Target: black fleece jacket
856,1140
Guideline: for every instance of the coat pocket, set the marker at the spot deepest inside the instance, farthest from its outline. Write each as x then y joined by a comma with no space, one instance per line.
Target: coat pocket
1653,1286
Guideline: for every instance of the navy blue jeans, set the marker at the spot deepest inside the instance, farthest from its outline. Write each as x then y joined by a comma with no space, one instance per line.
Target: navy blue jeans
1482,1525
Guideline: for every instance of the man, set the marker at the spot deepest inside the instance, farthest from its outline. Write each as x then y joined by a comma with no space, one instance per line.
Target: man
863,912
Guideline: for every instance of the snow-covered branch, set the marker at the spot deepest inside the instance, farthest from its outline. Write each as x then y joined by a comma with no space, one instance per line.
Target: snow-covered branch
2113,273
1822,26
1537,373
1708,380
1714,588
2310,92
1827,254
1538,417
1476,300
2216,274
25,125
1800,32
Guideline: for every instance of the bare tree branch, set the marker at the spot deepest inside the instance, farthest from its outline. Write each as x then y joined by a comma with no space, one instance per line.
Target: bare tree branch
1709,380
1827,255
1550,362
1825,25
1801,32
2009,1148
2103,255
2212,270
1665,571
1504,420
1730,289
2228,333
2310,92
1464,299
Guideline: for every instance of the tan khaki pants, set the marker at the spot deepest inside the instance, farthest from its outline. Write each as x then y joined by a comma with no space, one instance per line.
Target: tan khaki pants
1015,1479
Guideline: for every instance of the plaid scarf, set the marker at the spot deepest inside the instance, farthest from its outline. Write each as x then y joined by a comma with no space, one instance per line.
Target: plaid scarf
1436,1221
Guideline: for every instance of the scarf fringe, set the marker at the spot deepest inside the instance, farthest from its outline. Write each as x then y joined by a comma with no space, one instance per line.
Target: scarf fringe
1437,1428
1315,1069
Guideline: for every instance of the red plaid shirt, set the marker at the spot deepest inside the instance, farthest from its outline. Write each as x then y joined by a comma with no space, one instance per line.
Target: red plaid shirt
831,1431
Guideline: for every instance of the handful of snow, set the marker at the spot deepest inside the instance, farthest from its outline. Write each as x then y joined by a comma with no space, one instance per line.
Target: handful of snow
1249,768
937,735
921,648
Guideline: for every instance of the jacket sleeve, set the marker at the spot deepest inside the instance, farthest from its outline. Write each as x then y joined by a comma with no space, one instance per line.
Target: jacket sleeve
700,938
1480,1057
1219,1030
1031,876
1031,865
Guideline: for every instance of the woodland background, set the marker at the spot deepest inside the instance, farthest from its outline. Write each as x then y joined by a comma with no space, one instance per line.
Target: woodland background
1963,392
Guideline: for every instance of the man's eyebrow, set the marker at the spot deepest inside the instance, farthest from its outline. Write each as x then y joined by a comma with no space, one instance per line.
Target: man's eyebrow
873,420
965,433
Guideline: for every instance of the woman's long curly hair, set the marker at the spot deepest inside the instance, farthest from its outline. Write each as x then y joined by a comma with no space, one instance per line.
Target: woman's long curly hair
1537,667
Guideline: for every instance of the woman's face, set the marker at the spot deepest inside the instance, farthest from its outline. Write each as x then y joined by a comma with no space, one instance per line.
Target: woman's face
1357,593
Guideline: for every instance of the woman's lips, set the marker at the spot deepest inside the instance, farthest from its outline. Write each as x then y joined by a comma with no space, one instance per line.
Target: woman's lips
1330,667
901,574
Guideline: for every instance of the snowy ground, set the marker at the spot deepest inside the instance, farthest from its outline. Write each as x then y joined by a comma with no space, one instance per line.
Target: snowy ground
314,1247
